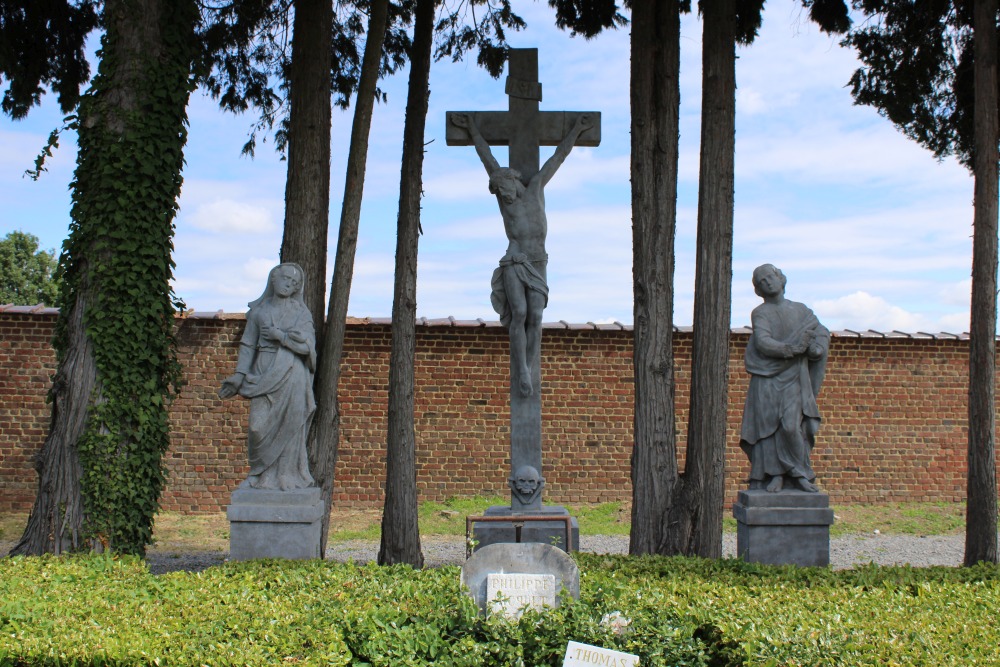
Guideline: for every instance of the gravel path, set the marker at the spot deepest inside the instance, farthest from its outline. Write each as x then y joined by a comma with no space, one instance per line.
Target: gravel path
845,551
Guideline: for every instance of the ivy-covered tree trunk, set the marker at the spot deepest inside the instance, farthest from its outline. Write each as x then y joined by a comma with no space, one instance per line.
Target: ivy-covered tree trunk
324,437
655,98
307,185
400,530
981,519
100,469
698,531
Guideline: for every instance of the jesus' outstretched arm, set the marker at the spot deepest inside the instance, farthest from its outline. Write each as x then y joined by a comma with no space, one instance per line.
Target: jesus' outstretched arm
583,123
468,122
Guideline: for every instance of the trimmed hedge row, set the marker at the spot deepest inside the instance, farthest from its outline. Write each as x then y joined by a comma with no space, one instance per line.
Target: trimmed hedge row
98,610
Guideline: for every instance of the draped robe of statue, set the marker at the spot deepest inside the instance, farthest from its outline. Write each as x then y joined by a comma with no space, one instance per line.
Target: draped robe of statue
279,384
781,417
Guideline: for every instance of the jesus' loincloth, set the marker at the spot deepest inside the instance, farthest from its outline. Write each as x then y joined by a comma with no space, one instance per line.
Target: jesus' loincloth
526,273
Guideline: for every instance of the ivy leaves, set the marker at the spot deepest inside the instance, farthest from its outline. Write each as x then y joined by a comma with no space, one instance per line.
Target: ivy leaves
117,266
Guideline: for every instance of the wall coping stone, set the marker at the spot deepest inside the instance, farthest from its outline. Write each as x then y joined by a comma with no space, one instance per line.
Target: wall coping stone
45,311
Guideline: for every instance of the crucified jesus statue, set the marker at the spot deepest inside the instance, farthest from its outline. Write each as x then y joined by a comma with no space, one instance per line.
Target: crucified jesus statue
520,292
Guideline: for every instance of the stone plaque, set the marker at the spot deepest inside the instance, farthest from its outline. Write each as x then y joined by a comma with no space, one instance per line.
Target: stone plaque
544,532
584,655
510,593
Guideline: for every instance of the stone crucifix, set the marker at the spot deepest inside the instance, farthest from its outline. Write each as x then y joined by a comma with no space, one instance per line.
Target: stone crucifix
520,291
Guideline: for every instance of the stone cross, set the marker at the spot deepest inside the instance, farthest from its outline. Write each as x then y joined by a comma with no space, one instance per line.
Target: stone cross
523,128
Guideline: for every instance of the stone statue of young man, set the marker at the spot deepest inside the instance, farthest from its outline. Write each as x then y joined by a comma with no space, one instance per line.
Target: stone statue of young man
786,358
520,292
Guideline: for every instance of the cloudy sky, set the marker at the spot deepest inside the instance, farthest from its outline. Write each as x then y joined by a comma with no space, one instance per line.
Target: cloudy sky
872,231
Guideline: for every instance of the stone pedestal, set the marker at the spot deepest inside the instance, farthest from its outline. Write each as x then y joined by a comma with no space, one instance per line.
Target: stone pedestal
544,532
785,528
275,524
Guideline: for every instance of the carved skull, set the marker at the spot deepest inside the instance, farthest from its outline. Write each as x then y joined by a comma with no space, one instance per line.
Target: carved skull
526,483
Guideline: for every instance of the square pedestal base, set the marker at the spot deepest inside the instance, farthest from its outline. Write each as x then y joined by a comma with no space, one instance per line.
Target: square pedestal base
545,532
275,524
785,528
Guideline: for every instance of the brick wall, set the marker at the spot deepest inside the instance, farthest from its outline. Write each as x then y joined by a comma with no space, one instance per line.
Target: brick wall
894,413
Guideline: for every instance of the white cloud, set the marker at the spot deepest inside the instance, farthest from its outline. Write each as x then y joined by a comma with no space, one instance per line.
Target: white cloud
955,322
958,294
21,148
464,184
480,231
586,167
256,270
226,286
750,102
862,310
466,180
225,216
189,284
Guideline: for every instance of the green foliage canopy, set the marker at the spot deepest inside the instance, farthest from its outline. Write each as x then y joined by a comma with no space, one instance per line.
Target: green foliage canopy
246,51
917,70
26,273
42,45
590,17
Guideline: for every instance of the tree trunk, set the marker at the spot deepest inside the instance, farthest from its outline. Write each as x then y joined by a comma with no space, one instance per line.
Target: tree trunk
655,99
981,519
700,530
307,187
100,469
324,437
56,523
400,529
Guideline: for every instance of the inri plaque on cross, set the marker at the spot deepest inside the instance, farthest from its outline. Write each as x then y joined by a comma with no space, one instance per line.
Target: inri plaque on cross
520,291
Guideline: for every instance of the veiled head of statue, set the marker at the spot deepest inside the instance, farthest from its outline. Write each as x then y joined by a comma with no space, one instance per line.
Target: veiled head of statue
286,280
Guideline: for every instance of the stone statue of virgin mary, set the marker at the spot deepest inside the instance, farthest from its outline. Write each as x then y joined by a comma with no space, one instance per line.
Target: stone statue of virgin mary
275,369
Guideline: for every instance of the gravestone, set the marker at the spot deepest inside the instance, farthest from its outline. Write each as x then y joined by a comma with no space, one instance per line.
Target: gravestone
519,284
525,568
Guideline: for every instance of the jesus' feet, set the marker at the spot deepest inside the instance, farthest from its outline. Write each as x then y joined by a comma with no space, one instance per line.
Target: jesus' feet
524,383
775,484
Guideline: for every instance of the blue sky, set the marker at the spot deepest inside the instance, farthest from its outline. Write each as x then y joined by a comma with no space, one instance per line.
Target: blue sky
872,231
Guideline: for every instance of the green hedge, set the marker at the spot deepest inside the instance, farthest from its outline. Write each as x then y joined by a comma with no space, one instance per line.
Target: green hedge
96,610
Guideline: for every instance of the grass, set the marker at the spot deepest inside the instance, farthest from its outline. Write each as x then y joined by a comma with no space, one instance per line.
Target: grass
448,518
180,532
900,518
892,519
12,525
210,532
